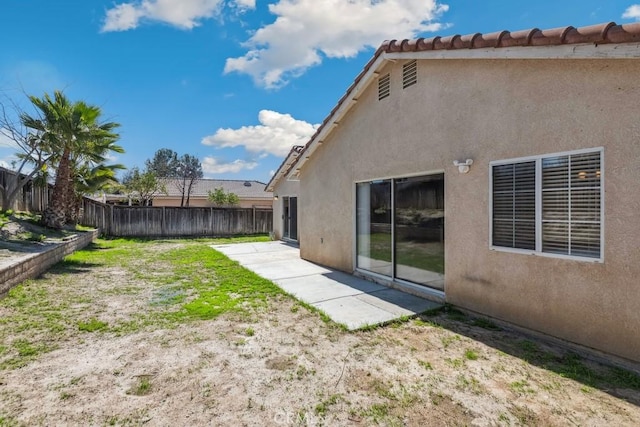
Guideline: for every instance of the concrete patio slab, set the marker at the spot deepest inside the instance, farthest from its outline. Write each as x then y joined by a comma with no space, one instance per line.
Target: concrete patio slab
249,248
322,287
346,299
262,257
276,270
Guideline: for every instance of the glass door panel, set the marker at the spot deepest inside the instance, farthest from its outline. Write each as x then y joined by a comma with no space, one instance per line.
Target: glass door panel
419,230
285,217
373,227
293,218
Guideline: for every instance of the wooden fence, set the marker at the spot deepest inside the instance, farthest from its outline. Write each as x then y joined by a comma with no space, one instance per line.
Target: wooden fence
31,198
143,221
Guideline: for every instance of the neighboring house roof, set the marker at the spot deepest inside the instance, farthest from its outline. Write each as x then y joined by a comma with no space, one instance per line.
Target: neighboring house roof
595,41
242,188
284,167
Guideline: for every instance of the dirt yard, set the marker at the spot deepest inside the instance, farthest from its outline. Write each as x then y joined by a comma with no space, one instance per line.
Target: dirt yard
120,335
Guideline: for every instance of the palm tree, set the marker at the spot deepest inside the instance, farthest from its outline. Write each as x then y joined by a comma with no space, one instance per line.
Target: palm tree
90,174
90,179
75,134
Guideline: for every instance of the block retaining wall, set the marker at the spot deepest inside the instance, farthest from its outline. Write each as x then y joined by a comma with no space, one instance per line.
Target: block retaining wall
35,264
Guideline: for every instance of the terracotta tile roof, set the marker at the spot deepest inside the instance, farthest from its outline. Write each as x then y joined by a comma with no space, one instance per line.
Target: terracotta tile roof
606,33
201,188
598,34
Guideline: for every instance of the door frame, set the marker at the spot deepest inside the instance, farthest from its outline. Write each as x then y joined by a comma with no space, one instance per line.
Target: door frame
393,281
286,218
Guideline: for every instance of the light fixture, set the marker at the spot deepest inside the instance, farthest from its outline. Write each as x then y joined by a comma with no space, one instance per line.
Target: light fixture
275,196
463,167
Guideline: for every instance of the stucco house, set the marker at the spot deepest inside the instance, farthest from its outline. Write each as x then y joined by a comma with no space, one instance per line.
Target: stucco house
250,193
285,189
497,172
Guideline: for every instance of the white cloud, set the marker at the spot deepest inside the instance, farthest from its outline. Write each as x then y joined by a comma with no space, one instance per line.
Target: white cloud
632,12
6,161
123,17
245,4
211,165
276,134
272,172
304,30
184,14
111,158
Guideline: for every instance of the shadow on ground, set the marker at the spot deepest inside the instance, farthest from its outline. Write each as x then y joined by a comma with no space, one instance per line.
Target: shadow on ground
72,267
618,382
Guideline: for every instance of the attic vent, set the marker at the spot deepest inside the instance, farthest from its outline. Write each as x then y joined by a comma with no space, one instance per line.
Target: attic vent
383,86
247,184
409,74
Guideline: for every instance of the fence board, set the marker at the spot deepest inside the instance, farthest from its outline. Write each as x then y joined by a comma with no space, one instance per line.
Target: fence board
147,221
31,198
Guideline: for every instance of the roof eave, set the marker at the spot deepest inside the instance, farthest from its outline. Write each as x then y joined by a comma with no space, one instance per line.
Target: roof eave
386,52
332,121
283,169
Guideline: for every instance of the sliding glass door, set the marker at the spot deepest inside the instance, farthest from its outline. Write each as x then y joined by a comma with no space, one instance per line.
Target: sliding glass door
290,217
400,229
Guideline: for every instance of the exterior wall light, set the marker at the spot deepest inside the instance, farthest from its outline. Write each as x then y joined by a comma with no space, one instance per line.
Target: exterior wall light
463,167
275,196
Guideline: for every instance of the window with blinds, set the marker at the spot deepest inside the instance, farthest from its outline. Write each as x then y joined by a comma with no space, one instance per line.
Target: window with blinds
514,205
549,204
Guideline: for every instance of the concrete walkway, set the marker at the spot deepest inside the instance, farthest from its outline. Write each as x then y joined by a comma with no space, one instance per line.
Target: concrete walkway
346,299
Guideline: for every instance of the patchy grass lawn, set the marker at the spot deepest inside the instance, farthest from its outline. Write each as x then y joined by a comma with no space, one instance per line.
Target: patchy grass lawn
131,332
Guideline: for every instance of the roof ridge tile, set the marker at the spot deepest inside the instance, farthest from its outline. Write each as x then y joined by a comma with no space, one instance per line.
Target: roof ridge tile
608,32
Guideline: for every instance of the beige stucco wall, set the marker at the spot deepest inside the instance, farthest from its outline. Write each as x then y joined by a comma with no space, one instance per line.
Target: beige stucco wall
491,110
283,188
196,202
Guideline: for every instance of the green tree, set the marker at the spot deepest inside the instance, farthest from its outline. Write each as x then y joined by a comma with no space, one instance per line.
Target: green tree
73,132
164,163
142,186
220,197
232,199
189,170
181,171
90,179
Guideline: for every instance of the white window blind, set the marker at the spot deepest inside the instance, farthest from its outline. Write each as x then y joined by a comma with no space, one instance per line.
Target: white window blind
571,205
568,192
514,205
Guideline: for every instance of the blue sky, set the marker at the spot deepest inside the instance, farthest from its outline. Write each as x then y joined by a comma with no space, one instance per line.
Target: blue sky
234,82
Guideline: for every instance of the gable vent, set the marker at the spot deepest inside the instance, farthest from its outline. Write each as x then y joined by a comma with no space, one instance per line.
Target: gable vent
384,86
409,74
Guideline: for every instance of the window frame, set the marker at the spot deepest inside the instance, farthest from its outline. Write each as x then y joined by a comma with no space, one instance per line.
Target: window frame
538,204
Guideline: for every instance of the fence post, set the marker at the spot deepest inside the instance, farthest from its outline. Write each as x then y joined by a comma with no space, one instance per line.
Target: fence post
110,226
254,219
162,223
211,221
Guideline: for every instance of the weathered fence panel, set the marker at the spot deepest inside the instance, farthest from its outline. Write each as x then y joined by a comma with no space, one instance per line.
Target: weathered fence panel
31,198
147,221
